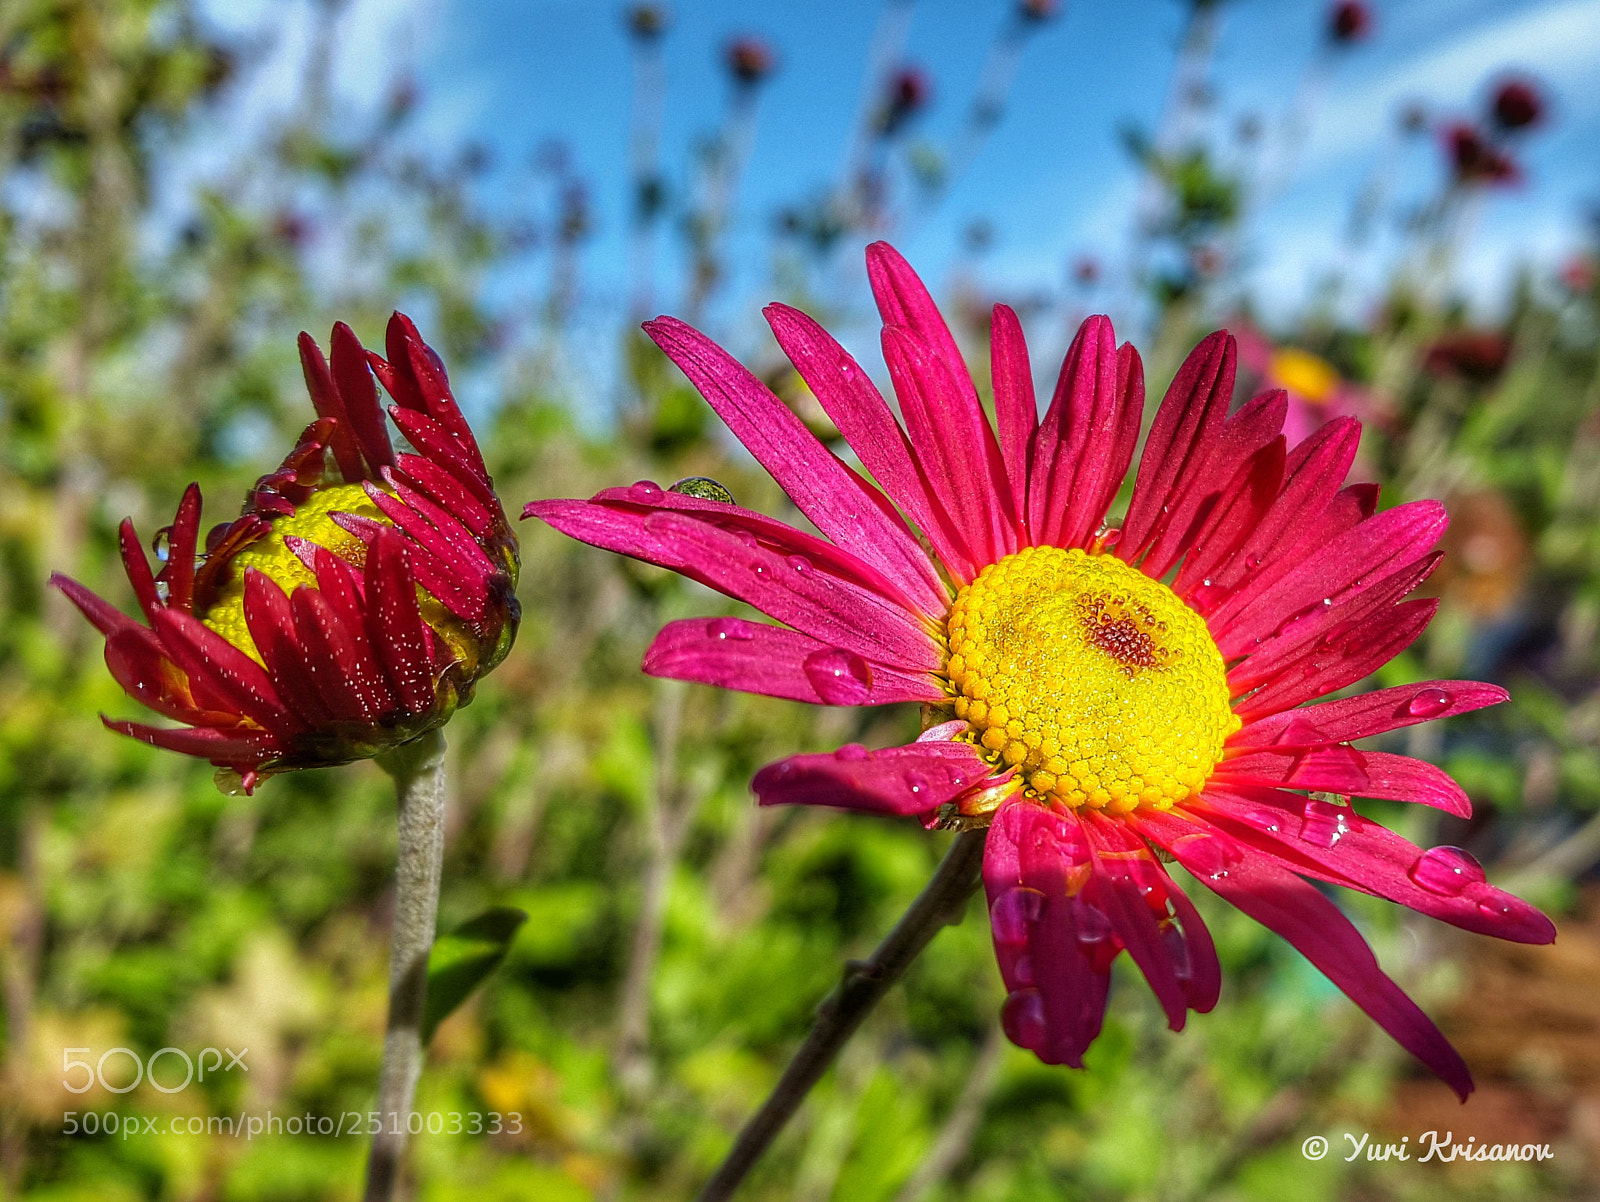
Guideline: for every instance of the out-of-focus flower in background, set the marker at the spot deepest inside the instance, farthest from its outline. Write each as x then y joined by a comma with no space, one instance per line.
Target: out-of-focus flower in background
1518,103
1478,356
1317,392
1474,159
353,604
749,59
1349,21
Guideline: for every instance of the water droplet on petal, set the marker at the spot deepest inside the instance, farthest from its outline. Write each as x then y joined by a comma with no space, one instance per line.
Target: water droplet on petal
1022,972
735,629
1429,703
647,491
799,563
1207,595
1447,871
1177,948
1207,855
916,784
1324,823
1022,1017
852,751
703,487
1013,915
1092,924
748,539
840,677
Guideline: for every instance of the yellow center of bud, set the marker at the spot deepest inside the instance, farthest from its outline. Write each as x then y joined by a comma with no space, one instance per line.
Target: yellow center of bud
272,557
1091,679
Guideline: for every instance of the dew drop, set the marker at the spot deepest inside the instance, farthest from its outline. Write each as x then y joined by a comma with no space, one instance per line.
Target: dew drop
1177,951
703,487
1207,855
799,563
734,629
748,539
645,490
852,752
1022,972
1022,1018
1014,913
1324,824
1092,924
916,784
1207,595
840,677
1447,871
229,782
1429,703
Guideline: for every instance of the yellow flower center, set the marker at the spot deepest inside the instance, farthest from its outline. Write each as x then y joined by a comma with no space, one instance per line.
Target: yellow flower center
1302,372
1091,679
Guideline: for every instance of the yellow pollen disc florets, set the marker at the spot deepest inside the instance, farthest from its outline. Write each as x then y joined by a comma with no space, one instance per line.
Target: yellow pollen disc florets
272,557
1091,679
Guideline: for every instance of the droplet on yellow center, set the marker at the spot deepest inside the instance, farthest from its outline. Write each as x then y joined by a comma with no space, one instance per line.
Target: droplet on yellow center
1091,679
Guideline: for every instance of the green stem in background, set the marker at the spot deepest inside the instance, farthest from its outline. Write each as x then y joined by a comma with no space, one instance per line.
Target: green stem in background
941,903
418,771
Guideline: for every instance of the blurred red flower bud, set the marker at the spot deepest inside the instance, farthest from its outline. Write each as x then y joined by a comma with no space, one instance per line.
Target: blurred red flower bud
1038,10
908,93
647,22
1349,21
1517,104
1086,271
1475,159
750,59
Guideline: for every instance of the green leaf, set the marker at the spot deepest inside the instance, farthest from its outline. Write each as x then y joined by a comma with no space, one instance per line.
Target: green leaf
463,960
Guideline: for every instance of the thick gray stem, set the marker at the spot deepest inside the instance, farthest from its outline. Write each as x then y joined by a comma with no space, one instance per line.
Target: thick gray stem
941,902
418,771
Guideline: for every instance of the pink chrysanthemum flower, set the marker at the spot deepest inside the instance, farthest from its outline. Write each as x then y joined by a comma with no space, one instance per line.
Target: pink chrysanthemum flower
353,604
1094,694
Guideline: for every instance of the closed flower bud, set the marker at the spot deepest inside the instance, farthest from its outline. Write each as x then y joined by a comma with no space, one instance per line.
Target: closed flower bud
354,603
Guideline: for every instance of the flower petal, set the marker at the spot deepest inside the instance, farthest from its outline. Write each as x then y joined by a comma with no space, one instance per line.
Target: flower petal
1346,658
754,657
1054,949
1180,440
353,378
1078,455
1128,885
1257,423
838,502
776,536
1336,844
1284,903
954,444
1363,557
836,611
854,404
328,403
236,748
1370,714
205,656
905,780
1016,410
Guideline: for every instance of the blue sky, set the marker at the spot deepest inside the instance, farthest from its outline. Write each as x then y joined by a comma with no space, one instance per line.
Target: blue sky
1053,180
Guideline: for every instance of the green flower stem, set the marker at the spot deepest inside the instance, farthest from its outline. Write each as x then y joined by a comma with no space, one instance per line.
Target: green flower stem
942,902
418,771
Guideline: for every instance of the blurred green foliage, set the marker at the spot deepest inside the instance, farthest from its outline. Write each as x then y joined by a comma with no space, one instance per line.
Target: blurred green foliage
677,939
